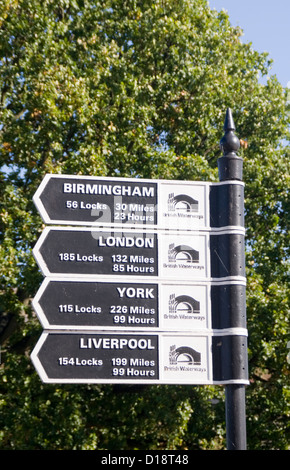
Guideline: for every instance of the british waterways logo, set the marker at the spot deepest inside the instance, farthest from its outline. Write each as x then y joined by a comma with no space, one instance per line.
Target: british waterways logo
182,254
182,203
184,355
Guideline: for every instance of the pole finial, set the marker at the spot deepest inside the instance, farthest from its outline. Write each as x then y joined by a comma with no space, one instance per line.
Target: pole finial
229,124
230,143
230,165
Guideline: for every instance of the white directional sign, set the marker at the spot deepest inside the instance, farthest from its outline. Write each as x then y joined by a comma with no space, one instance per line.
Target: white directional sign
115,357
100,201
85,251
90,305
123,358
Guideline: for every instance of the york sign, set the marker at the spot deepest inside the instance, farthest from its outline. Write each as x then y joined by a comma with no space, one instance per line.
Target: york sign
90,304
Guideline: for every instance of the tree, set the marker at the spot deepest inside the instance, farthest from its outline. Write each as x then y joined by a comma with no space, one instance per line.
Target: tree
137,88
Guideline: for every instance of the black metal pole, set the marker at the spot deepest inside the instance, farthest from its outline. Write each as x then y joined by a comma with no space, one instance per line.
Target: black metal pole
236,417
231,168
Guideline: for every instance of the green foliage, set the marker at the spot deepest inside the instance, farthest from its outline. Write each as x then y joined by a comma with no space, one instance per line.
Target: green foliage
137,88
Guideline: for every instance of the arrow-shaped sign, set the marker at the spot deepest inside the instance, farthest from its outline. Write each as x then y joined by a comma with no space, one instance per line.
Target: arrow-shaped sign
86,252
83,200
168,358
162,305
135,202
122,358
89,305
87,200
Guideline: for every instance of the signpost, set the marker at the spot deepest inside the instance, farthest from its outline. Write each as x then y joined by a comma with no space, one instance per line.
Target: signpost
145,280
231,168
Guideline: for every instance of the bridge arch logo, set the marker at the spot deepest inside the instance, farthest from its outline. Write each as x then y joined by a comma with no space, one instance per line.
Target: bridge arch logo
183,304
184,355
182,203
182,254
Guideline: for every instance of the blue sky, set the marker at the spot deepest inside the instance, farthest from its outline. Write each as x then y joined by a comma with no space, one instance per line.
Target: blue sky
265,23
